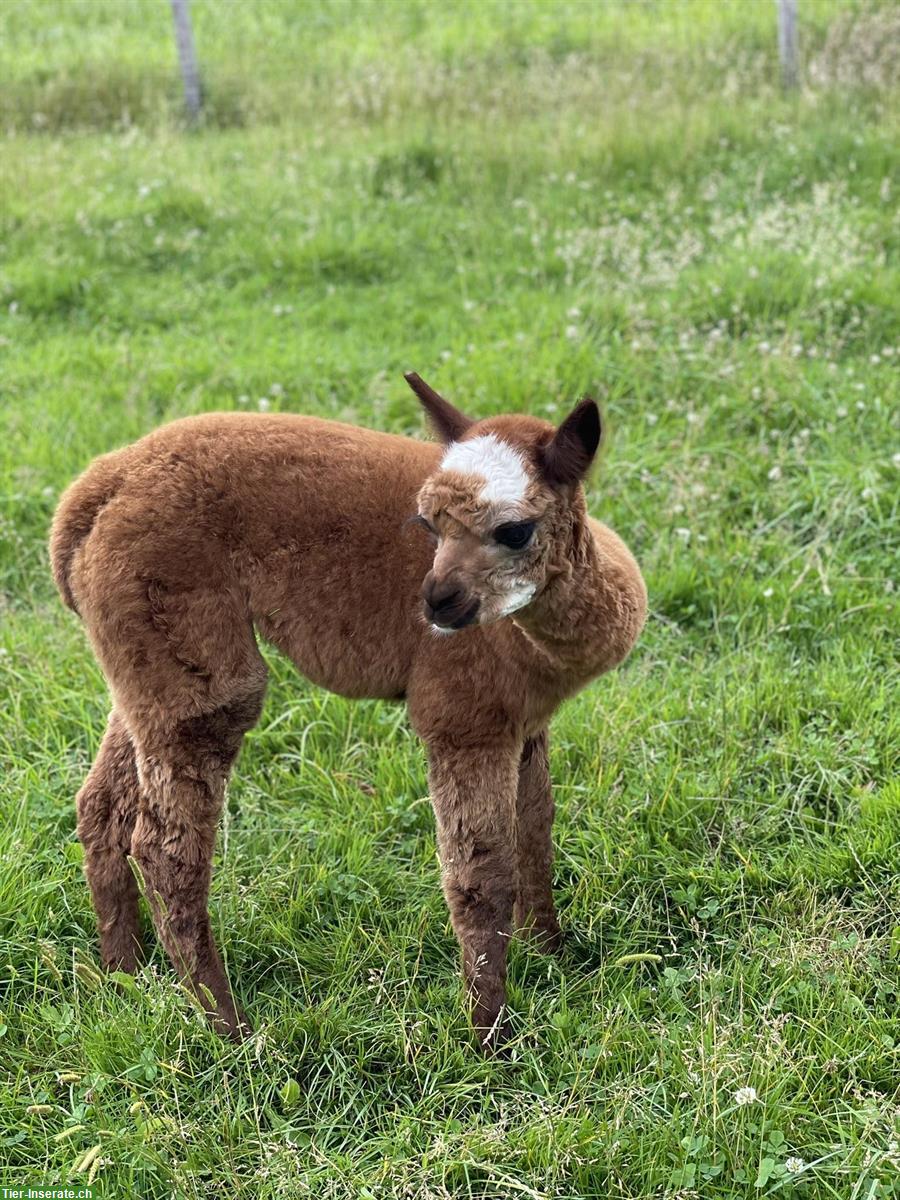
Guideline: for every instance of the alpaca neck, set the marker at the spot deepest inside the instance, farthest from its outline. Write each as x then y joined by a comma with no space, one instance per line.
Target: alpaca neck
566,620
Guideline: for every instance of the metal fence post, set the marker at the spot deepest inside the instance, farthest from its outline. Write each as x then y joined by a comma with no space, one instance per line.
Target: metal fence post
787,43
187,56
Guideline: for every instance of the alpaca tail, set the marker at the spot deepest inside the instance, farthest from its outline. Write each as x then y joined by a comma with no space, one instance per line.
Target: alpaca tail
75,515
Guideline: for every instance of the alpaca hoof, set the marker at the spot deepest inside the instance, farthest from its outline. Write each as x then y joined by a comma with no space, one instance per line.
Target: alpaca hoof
551,940
544,935
125,955
236,1028
493,1032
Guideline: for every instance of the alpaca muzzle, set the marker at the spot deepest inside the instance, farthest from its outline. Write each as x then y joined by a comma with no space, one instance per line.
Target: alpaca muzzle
448,605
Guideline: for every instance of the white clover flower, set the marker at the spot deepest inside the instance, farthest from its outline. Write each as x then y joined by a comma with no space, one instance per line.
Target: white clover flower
263,404
775,474
745,1095
572,332
767,593
794,1165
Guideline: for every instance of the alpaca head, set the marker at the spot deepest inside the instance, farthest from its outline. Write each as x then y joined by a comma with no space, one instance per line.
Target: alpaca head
500,508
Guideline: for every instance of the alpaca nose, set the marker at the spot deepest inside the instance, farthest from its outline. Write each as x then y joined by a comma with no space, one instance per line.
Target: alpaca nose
439,594
446,603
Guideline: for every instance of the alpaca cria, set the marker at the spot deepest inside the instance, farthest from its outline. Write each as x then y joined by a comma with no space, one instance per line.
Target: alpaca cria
351,551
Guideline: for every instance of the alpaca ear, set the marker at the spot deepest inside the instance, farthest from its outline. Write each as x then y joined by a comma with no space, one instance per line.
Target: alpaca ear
565,459
448,422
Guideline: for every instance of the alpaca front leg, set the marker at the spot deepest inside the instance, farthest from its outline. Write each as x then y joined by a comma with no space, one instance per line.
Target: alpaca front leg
474,796
535,913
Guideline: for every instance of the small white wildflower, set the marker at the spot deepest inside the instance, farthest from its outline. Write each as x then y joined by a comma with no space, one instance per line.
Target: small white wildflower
775,474
469,305
794,1165
651,418
767,593
574,312
446,355
874,359
571,332
841,412
264,404
684,534
276,389
693,418
745,1095
756,393
243,399
895,459
887,351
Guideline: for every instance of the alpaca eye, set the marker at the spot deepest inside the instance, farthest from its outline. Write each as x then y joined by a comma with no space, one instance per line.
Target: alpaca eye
515,536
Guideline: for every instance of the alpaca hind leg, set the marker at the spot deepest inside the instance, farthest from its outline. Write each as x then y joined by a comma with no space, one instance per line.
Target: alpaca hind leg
535,914
184,769
107,807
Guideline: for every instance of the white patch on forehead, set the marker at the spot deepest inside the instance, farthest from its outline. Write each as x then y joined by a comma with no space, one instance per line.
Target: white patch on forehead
517,598
496,462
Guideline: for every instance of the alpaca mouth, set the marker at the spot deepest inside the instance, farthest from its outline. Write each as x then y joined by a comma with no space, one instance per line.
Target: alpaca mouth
452,619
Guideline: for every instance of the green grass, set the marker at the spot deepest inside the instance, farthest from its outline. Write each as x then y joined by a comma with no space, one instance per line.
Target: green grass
521,202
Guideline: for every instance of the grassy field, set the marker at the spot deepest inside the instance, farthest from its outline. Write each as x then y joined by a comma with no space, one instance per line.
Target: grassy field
523,202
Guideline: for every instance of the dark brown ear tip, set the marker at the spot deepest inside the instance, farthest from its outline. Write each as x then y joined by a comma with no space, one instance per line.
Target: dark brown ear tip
449,422
568,456
589,420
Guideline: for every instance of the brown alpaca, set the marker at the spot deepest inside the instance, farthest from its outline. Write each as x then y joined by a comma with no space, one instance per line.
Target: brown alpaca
175,549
